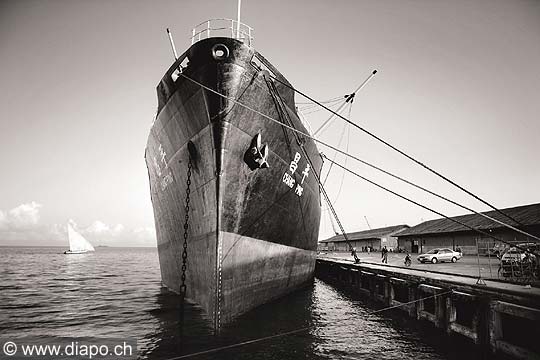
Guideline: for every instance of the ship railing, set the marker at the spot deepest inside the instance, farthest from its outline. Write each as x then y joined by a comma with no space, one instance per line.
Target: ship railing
222,28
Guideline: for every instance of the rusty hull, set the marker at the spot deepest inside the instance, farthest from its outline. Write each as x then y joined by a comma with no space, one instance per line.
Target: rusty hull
252,238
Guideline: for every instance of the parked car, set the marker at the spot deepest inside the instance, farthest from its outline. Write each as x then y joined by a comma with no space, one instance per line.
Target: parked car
439,255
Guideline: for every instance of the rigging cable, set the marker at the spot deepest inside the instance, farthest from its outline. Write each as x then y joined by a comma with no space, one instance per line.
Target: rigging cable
324,102
327,210
282,112
315,109
333,224
275,93
399,151
335,154
350,155
311,105
346,157
348,98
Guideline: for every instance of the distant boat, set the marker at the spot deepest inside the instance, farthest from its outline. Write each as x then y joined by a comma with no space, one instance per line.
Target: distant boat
77,243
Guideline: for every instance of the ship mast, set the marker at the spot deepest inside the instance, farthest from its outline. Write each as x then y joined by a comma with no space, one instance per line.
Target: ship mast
172,44
349,98
238,20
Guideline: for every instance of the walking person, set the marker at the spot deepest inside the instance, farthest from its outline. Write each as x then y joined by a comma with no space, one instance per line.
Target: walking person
384,253
407,260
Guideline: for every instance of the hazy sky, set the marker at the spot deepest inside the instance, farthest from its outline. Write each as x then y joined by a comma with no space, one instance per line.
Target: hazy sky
458,87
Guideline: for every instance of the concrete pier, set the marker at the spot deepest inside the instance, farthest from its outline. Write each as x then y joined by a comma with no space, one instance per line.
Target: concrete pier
501,318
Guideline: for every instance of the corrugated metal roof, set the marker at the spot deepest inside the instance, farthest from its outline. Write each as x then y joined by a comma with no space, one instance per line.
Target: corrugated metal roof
526,215
368,234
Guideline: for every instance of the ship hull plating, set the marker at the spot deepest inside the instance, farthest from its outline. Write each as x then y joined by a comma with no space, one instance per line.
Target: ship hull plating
253,231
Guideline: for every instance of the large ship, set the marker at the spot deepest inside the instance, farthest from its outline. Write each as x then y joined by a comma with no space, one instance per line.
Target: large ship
225,135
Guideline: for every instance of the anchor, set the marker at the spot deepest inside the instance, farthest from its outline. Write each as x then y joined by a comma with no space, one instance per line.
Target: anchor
256,156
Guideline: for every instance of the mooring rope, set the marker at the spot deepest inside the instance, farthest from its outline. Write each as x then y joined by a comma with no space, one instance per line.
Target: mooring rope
362,161
425,207
299,330
398,150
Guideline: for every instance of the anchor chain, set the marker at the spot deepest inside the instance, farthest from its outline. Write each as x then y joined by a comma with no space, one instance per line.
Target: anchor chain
183,287
186,227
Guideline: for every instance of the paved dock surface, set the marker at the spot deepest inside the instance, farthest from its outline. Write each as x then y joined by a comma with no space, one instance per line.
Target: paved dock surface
465,271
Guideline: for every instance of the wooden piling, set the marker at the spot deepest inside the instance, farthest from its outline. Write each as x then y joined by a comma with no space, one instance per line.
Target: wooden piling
458,301
500,320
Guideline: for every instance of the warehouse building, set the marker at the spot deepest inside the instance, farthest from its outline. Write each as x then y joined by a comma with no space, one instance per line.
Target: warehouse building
374,238
445,233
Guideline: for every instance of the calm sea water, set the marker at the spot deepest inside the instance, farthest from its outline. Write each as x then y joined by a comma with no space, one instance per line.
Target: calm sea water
116,292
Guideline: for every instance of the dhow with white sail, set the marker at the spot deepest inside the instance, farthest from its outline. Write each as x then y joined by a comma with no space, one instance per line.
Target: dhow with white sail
77,243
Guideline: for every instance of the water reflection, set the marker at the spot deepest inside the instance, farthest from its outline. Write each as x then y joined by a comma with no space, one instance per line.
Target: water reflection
167,340
290,313
337,326
117,293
